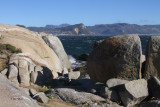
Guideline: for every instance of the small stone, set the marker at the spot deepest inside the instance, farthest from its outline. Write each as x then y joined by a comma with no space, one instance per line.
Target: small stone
73,75
38,68
109,94
65,71
41,97
32,92
93,91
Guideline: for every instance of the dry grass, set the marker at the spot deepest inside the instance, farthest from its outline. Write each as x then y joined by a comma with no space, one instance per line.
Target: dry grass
52,101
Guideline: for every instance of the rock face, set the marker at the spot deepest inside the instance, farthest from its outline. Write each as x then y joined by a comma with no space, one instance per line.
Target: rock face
116,57
32,44
24,71
12,96
133,92
152,67
55,44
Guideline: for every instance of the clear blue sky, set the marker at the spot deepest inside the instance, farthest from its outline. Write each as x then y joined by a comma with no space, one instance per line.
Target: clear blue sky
89,12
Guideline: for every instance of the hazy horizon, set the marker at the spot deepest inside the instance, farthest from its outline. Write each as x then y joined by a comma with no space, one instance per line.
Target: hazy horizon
89,12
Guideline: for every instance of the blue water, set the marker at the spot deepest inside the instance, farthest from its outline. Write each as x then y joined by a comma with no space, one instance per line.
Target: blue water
77,45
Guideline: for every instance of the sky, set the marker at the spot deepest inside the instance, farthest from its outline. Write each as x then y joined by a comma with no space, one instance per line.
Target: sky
89,12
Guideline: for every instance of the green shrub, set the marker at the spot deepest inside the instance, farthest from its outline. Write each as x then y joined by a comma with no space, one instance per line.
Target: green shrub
21,26
10,48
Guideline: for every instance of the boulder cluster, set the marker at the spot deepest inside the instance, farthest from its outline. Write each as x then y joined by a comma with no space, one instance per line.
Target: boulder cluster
129,79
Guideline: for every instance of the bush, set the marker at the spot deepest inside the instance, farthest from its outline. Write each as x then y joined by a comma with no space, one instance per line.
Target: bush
21,26
10,48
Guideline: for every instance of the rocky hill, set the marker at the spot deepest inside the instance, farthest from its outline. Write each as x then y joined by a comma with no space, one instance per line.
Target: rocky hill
124,28
101,29
77,29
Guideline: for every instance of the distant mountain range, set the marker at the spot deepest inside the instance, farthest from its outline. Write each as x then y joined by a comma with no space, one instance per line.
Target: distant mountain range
57,26
101,29
77,29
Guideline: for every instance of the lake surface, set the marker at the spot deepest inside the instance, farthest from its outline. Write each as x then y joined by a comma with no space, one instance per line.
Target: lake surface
77,45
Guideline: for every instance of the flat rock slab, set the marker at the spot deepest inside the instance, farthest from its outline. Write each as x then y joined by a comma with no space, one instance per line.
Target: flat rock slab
76,97
114,82
133,92
116,57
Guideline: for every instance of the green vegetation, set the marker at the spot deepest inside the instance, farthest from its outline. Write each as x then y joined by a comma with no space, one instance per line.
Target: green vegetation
9,48
21,26
6,50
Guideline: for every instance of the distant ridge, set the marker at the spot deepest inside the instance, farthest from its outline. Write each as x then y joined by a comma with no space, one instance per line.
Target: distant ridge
124,28
77,29
101,29
57,26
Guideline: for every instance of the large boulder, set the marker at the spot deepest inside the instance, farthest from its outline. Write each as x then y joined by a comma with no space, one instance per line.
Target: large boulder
55,44
116,57
32,44
152,67
13,96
